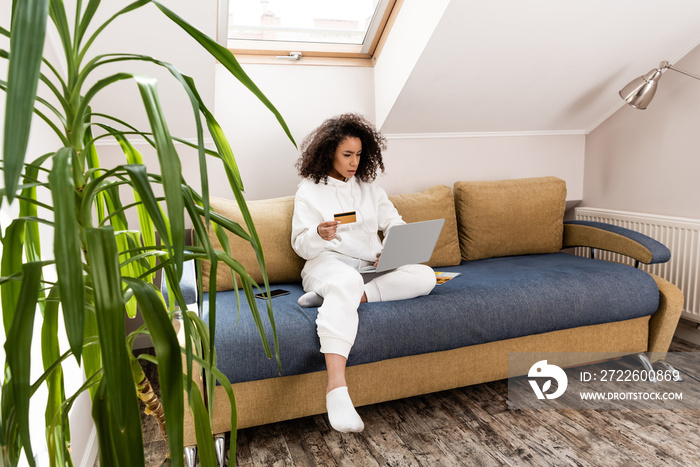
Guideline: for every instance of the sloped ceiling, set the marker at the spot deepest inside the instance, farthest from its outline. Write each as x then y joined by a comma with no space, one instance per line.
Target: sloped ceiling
537,65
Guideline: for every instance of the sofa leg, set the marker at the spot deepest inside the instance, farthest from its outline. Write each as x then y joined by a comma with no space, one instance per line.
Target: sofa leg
190,455
647,366
219,446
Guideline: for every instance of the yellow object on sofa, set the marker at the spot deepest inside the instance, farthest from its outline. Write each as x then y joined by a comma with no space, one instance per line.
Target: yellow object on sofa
436,202
510,217
273,223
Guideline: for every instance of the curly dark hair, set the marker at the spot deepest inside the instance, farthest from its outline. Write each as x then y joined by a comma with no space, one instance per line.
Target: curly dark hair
318,148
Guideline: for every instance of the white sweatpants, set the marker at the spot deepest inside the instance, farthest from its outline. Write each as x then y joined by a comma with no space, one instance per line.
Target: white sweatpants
335,277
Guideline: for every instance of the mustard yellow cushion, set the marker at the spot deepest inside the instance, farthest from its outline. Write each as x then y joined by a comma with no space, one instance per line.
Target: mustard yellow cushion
510,217
273,222
434,203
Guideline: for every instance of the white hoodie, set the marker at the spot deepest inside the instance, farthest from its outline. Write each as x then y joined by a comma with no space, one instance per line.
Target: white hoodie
318,202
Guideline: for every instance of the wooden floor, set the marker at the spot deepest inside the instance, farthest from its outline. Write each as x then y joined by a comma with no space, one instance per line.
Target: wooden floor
472,426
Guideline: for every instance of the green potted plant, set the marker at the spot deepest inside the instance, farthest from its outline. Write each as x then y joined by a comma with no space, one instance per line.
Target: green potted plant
104,268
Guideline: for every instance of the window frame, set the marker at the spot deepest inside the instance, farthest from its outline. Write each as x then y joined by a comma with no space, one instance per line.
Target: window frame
313,53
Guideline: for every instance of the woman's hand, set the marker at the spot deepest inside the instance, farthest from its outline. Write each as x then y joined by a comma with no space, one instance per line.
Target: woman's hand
327,230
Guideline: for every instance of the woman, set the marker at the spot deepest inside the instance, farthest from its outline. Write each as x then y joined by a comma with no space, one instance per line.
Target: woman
339,161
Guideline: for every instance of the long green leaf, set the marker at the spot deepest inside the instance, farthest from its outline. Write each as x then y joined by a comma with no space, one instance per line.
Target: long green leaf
98,31
93,162
197,103
18,348
151,217
112,452
55,366
92,355
123,239
113,131
247,282
85,20
146,222
57,131
45,103
224,148
231,169
109,308
9,428
67,249
169,362
77,131
202,428
57,13
28,208
173,285
50,352
13,246
203,335
26,45
232,226
56,435
257,247
170,167
99,187
200,230
225,383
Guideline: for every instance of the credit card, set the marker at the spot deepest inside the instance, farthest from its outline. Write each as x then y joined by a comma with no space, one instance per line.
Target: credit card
345,217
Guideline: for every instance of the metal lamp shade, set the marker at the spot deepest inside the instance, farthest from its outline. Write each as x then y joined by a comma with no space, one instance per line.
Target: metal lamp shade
641,91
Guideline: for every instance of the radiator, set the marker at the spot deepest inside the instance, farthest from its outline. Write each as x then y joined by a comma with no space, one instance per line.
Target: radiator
680,235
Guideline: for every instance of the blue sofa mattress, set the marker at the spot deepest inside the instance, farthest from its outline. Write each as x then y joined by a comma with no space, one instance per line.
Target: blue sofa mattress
493,299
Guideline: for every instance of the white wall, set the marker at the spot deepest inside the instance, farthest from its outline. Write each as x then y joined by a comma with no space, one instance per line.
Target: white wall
418,162
410,33
514,65
305,96
647,160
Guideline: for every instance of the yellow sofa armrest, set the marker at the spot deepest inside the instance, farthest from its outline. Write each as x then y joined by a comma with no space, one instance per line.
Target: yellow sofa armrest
616,239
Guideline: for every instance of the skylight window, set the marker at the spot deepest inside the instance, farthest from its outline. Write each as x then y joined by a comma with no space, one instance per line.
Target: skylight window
349,28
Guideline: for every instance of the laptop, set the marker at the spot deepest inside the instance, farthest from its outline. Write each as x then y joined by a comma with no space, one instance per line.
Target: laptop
408,244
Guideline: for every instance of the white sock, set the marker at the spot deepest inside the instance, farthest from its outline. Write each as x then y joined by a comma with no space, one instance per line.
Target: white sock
310,300
341,412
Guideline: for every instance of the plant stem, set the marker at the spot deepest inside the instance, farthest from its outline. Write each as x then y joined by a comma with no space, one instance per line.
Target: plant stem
145,392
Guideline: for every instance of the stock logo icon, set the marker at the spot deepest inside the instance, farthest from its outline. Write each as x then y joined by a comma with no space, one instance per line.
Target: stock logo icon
546,372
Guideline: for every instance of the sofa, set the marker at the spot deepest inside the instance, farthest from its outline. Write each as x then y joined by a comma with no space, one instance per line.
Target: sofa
520,289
